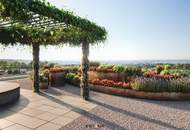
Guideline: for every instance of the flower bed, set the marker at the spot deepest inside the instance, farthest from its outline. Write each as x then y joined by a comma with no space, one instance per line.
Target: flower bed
153,83
141,94
111,83
161,85
56,69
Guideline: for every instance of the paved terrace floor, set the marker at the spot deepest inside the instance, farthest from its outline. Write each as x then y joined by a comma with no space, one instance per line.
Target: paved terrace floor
63,108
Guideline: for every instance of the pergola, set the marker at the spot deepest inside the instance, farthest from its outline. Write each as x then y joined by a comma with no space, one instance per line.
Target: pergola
36,22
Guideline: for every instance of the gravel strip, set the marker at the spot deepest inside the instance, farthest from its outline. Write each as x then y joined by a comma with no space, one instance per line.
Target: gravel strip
120,113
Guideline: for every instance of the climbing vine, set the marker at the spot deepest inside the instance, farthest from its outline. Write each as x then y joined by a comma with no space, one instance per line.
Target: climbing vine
77,31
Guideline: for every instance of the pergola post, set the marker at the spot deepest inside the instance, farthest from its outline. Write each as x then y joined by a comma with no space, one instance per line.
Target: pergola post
35,66
84,70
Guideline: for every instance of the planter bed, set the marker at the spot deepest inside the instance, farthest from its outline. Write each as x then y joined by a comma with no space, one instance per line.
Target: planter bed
57,79
141,94
138,94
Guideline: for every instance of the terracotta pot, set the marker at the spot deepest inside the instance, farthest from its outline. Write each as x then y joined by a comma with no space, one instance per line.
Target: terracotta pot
43,85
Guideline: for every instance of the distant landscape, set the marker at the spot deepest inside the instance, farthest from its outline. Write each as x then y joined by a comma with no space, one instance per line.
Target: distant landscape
120,62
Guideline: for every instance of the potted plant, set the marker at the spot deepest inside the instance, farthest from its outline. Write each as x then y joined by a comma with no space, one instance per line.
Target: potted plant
43,82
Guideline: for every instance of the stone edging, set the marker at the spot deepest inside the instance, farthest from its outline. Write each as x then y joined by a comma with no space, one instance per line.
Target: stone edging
9,92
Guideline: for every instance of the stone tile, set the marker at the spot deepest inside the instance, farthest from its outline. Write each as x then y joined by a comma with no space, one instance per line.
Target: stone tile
5,113
47,116
5,123
16,127
49,126
72,115
46,101
23,101
62,120
31,112
45,108
16,108
33,105
25,120
53,104
59,111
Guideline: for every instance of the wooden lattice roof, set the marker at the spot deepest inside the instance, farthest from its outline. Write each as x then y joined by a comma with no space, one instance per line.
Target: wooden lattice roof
35,20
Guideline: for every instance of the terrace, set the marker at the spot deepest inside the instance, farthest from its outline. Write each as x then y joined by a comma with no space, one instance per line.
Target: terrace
63,108
55,97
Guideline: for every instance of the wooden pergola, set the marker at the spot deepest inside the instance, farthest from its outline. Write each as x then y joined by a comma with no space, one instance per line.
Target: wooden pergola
36,22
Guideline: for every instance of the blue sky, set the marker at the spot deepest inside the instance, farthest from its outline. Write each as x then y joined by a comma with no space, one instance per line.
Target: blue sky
138,29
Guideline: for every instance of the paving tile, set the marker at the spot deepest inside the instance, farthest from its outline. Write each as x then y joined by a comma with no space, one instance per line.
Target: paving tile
47,116
62,120
45,108
5,113
72,115
59,111
49,126
23,101
31,112
5,123
33,105
16,127
25,120
44,102
16,108
53,104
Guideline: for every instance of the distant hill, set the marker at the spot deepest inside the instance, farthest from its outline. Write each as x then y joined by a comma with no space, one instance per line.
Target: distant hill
18,60
122,62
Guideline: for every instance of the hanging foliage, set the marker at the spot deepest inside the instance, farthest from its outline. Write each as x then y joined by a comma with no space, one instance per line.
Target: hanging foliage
22,12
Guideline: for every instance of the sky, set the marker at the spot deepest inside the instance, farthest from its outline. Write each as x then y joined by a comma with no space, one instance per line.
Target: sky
137,30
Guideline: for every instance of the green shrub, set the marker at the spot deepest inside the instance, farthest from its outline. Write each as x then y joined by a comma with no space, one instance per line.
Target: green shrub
15,71
118,68
70,76
30,75
45,72
72,69
105,66
42,78
133,71
94,64
167,67
165,72
159,69
77,78
9,71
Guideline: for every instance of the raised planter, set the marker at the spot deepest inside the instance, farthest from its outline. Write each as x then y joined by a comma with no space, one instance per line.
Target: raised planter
140,94
57,79
9,92
108,75
74,83
137,94
43,85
